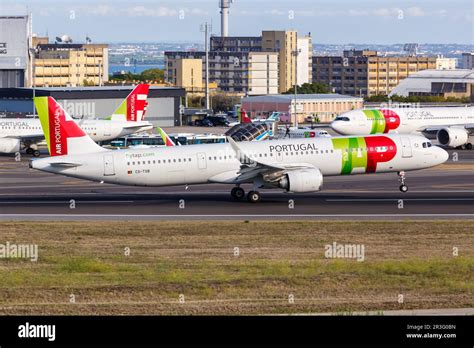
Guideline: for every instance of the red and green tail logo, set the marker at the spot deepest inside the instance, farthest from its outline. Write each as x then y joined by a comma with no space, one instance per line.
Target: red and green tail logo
383,120
133,107
364,153
57,125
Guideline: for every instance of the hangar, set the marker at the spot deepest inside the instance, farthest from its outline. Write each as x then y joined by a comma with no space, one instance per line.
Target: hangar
164,103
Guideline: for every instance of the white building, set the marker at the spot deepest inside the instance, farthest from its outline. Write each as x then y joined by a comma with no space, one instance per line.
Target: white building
304,60
457,83
467,61
263,73
446,63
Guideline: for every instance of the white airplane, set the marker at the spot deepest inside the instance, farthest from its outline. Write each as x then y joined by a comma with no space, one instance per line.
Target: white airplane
294,165
17,134
451,126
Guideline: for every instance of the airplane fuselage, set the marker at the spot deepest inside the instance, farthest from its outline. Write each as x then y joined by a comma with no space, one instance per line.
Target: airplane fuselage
98,130
220,163
400,120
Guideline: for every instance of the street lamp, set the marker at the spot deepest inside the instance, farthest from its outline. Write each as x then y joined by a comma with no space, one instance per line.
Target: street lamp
33,52
205,28
295,53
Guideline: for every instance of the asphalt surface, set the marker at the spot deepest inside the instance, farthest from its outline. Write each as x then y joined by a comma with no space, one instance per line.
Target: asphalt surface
444,192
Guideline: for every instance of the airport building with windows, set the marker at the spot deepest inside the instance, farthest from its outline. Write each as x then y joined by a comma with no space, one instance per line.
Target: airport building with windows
163,109
365,73
66,64
325,106
240,72
246,64
446,83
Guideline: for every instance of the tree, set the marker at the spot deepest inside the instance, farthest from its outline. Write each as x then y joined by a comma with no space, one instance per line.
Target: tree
153,75
310,88
157,75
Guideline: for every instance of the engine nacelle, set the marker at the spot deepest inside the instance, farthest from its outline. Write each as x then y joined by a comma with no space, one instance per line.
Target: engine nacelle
452,137
302,180
9,145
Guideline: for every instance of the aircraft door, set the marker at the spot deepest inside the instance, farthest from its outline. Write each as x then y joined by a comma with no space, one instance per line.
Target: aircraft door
406,147
109,168
201,160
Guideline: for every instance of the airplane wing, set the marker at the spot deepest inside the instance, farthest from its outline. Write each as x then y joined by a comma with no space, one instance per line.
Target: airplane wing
434,129
251,169
133,127
32,138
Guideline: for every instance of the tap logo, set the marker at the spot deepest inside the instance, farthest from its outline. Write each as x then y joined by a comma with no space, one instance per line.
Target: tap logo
383,120
61,127
362,154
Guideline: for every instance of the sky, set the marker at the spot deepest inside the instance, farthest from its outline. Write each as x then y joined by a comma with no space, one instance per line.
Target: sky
328,21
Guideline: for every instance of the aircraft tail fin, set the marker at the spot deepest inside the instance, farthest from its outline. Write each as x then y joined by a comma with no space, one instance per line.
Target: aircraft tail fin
133,107
63,135
242,114
273,117
167,140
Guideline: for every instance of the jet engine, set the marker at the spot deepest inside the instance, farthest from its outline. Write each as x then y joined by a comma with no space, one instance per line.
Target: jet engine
9,145
302,180
452,137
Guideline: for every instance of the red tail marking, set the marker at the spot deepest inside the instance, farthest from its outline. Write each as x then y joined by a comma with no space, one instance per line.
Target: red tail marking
60,129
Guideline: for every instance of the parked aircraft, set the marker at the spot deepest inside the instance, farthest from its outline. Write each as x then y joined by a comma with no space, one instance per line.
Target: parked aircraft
451,126
18,134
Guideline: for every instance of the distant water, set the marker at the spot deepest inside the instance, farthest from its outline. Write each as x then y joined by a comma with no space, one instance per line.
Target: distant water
134,69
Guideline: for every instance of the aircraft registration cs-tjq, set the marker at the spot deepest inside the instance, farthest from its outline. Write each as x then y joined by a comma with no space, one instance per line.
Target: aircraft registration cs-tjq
294,165
452,126
16,134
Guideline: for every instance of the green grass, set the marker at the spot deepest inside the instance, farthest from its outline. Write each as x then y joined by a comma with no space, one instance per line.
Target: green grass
196,259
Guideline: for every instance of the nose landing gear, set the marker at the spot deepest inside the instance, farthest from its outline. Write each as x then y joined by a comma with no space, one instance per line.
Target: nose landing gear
401,179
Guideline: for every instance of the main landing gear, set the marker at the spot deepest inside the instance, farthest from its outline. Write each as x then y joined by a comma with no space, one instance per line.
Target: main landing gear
401,178
238,193
34,152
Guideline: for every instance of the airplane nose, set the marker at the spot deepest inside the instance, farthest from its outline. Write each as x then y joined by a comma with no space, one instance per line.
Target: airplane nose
336,125
440,155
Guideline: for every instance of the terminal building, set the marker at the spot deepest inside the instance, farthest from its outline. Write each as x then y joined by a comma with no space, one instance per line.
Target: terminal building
164,103
324,106
446,83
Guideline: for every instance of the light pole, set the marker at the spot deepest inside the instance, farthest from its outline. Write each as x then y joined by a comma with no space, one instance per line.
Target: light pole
295,53
33,52
205,28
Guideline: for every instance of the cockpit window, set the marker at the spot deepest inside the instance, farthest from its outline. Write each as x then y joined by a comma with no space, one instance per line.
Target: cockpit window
427,144
342,118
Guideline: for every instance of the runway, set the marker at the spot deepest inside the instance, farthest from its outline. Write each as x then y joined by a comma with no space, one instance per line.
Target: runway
444,192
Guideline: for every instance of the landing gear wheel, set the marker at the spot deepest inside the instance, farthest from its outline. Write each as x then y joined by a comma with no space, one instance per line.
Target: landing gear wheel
403,188
254,196
401,179
29,151
237,193
468,146
36,153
